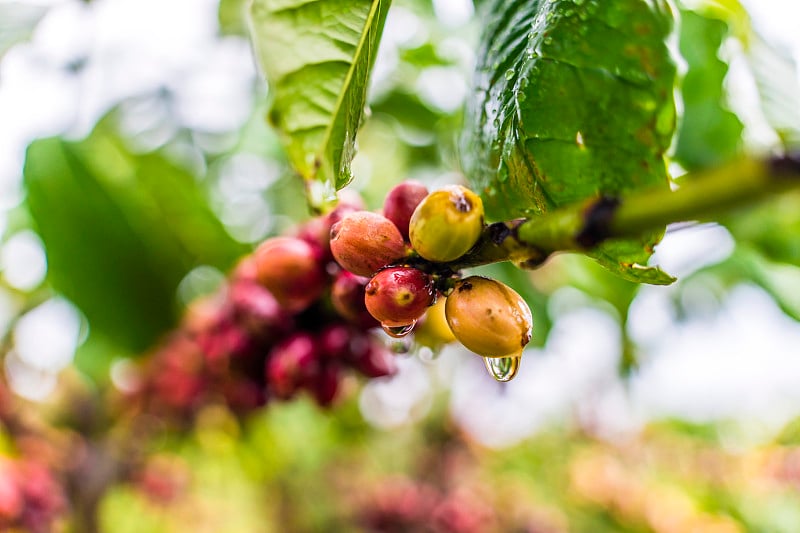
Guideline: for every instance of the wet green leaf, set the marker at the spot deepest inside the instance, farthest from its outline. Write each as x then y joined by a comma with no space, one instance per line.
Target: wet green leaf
317,56
573,98
120,231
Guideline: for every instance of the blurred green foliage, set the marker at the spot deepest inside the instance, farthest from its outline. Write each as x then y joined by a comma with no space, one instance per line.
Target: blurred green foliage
121,230
709,133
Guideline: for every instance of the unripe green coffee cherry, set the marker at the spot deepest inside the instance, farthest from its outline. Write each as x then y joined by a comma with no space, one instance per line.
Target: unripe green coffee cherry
489,317
446,224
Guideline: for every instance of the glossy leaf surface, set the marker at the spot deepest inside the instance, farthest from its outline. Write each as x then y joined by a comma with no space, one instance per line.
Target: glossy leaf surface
573,99
317,56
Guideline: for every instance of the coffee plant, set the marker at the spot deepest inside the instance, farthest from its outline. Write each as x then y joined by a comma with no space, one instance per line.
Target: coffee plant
275,319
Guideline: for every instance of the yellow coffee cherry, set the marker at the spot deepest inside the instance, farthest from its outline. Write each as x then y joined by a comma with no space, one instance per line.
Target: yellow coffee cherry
489,317
446,224
432,329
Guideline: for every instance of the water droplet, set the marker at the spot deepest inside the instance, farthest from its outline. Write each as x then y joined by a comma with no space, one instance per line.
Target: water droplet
401,346
398,331
548,40
503,368
509,73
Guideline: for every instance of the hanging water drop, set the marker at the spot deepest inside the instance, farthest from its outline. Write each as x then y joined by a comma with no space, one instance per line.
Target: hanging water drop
503,368
398,331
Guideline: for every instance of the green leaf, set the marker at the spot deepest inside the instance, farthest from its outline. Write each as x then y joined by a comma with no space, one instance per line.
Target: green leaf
17,22
317,56
573,99
120,230
710,133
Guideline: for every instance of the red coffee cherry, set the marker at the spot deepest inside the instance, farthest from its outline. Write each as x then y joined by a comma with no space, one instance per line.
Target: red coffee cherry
401,202
398,296
347,297
364,242
291,364
290,269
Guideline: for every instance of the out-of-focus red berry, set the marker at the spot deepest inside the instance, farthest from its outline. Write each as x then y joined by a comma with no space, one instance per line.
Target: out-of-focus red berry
257,310
347,297
325,385
401,202
376,361
290,364
334,341
290,269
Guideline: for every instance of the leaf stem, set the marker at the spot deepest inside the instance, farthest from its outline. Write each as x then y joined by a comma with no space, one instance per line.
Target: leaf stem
700,196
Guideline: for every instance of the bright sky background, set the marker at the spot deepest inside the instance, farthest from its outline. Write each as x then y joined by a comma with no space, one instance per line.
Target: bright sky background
742,362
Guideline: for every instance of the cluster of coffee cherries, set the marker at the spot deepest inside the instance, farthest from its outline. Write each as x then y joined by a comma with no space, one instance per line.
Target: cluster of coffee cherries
406,254
30,497
299,312
289,319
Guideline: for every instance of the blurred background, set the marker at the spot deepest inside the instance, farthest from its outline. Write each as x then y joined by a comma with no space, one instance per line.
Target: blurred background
636,408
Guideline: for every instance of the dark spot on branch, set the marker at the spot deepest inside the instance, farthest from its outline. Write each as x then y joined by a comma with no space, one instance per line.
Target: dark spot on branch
785,166
597,221
497,232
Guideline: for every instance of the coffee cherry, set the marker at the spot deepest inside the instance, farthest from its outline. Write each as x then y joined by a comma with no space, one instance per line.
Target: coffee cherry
334,341
432,330
257,311
446,224
291,364
401,202
364,242
289,268
488,317
325,385
347,297
398,296
373,359
317,231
